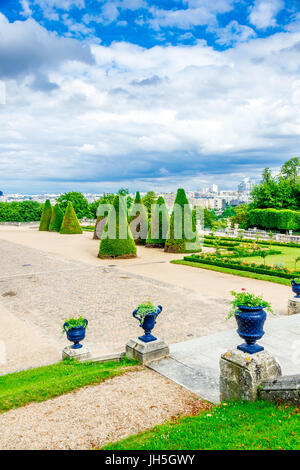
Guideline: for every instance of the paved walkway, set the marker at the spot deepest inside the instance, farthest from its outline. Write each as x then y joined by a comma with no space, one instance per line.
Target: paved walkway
195,363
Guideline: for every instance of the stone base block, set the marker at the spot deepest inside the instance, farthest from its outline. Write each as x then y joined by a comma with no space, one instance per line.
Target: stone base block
285,389
146,352
242,373
293,306
81,354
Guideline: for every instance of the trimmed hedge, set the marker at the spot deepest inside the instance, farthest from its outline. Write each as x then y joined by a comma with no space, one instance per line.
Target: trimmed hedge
138,220
283,219
56,219
101,220
261,242
70,224
116,247
160,224
46,217
244,267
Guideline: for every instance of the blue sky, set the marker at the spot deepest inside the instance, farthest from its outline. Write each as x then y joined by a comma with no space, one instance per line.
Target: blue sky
161,94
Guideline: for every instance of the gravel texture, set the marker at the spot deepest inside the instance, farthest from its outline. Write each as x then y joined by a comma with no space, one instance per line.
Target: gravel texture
96,415
41,296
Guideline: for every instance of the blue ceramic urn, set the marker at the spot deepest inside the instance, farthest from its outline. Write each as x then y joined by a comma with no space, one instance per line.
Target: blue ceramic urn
250,321
148,324
76,334
296,288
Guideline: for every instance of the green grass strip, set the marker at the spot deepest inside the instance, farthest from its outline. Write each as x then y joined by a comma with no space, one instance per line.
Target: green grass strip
42,383
234,426
235,272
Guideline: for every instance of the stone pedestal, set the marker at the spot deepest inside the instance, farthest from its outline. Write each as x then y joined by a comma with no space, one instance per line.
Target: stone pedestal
81,354
242,373
294,306
146,352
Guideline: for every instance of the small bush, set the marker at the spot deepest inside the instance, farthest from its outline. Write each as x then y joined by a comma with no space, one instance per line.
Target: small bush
70,224
46,217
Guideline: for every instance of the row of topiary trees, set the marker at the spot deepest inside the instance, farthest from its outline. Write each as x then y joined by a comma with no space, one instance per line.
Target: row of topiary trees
123,245
55,220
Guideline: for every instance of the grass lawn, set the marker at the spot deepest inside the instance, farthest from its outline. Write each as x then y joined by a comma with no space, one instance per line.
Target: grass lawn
287,257
235,272
236,426
42,383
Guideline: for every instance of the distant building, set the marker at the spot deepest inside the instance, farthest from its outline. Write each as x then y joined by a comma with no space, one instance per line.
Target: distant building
213,188
246,185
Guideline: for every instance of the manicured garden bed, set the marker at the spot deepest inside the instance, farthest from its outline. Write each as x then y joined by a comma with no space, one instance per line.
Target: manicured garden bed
234,272
42,383
233,426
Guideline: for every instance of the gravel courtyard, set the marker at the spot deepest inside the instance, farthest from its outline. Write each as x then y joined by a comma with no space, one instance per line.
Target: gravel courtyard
38,291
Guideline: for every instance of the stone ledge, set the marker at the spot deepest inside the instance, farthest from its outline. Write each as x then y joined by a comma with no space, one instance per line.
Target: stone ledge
81,354
242,373
293,306
285,388
146,352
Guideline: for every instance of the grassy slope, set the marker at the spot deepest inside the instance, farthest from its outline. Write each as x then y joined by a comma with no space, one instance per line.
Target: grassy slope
42,383
262,277
258,425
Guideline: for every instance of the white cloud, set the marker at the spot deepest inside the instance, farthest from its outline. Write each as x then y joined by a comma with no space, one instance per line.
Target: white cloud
26,10
234,33
197,13
263,13
161,116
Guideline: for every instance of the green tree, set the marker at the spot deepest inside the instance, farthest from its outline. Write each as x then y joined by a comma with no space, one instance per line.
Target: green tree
117,243
209,218
102,214
138,221
46,217
70,224
290,170
79,203
182,224
242,216
148,200
159,226
56,219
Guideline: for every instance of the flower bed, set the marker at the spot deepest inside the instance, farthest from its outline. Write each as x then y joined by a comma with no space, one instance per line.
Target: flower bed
242,266
247,240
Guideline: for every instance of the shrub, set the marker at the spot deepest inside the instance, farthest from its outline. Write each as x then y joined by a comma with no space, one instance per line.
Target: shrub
56,219
46,217
112,245
177,242
102,215
284,219
160,224
138,221
70,224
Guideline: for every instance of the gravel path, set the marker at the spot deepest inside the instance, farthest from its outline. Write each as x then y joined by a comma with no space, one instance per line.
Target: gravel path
96,415
41,290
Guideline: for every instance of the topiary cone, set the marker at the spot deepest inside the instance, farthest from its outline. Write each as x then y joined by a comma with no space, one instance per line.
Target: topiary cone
178,244
160,224
70,224
138,220
46,217
112,244
56,219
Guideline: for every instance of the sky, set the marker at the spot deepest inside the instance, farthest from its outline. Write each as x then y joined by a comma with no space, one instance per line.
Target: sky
96,95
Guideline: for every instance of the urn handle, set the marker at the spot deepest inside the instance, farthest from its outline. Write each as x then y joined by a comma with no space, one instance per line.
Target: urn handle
65,325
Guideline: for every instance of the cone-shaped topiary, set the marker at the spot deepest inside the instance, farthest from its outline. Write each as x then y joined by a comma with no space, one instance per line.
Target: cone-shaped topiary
102,214
46,217
182,224
138,221
160,223
56,219
70,224
117,240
